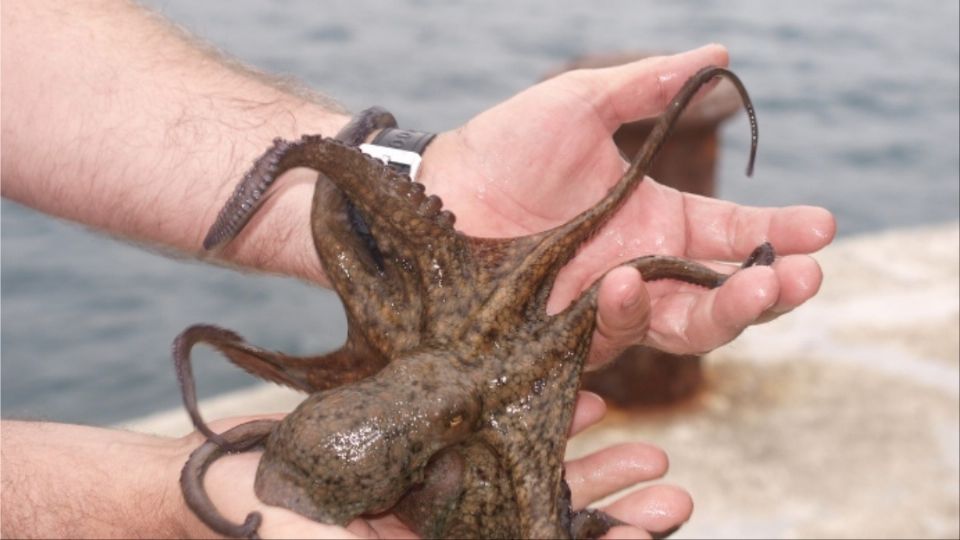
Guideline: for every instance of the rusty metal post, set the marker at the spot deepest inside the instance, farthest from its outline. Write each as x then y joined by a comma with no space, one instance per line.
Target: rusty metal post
641,375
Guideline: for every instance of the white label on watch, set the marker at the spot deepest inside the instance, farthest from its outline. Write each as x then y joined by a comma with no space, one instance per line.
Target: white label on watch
394,156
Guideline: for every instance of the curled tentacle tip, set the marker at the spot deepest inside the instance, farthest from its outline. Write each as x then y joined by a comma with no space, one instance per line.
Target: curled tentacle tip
209,243
762,255
251,524
752,160
765,254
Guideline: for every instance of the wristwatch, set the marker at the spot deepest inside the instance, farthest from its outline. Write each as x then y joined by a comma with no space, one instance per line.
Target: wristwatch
400,149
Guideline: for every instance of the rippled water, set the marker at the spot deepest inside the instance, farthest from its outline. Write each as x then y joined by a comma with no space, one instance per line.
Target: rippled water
858,108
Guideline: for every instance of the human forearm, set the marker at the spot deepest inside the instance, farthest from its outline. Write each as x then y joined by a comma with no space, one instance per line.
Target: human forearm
151,129
72,481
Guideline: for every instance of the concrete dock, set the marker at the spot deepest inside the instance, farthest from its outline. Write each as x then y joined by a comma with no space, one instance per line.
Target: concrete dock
841,420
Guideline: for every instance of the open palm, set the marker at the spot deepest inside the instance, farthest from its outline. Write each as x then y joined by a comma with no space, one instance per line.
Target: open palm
541,157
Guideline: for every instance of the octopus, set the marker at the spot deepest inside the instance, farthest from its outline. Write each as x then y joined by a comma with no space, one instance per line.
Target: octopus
450,402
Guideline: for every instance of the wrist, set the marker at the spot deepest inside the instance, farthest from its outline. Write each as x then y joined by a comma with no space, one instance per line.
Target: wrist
433,164
187,524
161,474
443,173
278,238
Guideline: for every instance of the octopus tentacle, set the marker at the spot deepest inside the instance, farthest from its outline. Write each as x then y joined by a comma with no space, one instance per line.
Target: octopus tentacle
762,255
358,274
308,374
559,245
243,437
364,124
354,134
366,181
585,523
389,224
562,244
656,267
188,389
251,191
418,252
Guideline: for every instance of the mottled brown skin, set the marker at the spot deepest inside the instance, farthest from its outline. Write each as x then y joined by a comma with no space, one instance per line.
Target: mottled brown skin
451,400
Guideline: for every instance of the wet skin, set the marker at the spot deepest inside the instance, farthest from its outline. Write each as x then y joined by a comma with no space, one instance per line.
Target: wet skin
449,403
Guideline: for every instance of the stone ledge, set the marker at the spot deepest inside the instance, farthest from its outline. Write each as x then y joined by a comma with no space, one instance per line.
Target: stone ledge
837,421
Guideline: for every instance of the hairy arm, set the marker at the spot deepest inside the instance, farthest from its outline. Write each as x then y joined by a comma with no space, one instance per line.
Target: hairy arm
115,119
66,481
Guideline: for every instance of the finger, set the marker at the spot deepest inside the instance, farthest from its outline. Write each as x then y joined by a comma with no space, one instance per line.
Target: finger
727,231
382,526
656,509
690,322
603,473
366,529
626,532
589,410
623,315
800,278
283,523
641,89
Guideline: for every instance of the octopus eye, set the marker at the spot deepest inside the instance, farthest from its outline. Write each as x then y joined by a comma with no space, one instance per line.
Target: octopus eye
456,420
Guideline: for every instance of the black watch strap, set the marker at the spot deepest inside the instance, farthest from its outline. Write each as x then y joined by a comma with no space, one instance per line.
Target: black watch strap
404,139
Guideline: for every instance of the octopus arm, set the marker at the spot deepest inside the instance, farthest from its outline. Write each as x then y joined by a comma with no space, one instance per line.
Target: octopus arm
656,267
352,362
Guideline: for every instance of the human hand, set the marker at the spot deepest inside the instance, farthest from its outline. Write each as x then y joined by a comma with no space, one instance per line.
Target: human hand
653,509
537,159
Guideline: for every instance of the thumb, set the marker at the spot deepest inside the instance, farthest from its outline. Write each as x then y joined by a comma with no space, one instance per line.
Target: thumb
641,89
623,315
